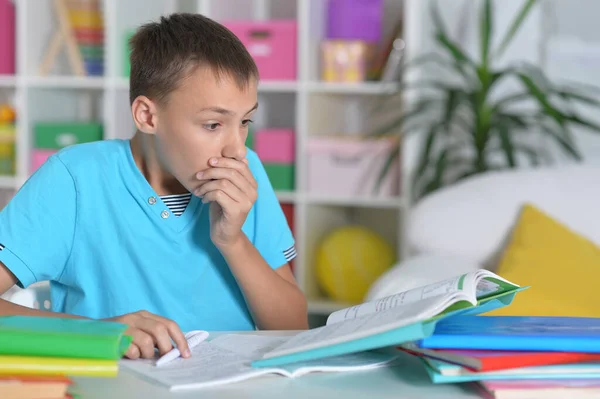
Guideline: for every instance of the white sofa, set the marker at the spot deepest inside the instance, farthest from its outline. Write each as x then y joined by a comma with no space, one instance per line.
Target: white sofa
465,226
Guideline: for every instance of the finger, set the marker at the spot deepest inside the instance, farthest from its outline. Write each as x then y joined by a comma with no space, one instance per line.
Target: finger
144,342
221,198
133,352
225,185
233,175
240,166
158,332
175,333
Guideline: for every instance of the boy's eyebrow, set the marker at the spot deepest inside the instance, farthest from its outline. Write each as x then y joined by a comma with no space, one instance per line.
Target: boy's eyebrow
224,111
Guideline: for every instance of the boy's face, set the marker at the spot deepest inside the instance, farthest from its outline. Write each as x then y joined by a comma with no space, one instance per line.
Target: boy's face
204,117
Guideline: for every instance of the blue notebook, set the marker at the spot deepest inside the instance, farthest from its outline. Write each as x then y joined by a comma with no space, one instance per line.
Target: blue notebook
390,321
565,334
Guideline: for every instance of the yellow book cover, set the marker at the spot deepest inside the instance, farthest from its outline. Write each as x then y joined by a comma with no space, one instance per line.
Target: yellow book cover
34,365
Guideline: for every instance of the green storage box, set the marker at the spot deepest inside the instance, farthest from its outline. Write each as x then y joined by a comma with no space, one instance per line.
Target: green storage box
281,176
250,138
57,135
126,53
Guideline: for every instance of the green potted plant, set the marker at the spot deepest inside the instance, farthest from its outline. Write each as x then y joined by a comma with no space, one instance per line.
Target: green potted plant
466,131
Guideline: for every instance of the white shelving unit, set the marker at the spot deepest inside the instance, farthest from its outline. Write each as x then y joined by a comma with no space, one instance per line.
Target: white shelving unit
307,105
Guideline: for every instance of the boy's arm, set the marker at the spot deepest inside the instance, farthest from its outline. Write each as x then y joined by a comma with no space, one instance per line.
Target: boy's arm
270,290
274,299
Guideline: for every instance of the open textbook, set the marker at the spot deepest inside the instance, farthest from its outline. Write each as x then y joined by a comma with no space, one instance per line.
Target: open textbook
400,318
226,359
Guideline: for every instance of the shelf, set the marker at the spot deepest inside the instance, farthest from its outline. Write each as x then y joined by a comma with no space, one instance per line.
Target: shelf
266,86
8,182
277,86
353,88
364,202
8,81
121,83
287,197
65,82
325,306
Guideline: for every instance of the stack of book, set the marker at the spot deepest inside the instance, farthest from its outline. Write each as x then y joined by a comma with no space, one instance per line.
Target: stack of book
515,357
39,354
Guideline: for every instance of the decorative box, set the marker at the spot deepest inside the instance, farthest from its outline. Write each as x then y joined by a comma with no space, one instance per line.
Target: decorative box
351,167
272,44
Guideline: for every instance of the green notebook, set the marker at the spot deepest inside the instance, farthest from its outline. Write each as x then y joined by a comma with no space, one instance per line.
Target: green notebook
394,320
61,337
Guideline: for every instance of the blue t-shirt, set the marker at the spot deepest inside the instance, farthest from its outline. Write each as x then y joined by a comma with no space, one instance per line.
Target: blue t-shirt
90,223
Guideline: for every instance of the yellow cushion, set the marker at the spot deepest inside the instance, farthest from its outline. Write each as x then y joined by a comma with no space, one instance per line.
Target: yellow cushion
562,268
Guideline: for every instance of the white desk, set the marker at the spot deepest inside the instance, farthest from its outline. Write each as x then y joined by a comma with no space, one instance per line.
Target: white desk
407,380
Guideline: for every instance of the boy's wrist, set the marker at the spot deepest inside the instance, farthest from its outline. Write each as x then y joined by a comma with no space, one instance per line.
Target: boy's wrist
234,246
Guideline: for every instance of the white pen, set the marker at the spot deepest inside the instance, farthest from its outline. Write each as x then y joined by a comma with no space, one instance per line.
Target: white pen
193,339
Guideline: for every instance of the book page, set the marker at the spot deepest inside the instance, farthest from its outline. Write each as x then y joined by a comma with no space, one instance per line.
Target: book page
440,288
360,361
362,326
226,359
248,345
209,365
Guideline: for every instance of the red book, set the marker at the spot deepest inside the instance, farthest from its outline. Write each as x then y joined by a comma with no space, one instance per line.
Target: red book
488,360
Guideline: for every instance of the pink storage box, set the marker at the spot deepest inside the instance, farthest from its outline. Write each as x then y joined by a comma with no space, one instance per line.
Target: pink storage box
7,37
275,145
349,167
272,44
38,157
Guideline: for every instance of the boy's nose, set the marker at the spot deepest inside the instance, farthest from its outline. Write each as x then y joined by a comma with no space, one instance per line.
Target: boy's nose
236,148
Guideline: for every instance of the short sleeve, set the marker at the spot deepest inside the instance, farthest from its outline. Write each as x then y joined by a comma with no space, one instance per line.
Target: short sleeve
38,225
272,235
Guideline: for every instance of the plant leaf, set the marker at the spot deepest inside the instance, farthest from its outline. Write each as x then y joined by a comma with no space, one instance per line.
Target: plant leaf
542,99
512,119
437,18
571,95
563,142
453,49
531,153
507,145
486,31
419,109
585,123
439,170
426,150
515,26
395,154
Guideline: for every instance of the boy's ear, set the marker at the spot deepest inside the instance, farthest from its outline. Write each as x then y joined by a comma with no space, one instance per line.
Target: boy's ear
144,114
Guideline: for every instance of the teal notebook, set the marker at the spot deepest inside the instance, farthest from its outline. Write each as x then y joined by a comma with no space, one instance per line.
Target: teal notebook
444,373
400,318
62,337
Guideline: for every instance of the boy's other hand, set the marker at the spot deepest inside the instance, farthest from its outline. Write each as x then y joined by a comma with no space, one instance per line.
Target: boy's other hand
151,331
231,190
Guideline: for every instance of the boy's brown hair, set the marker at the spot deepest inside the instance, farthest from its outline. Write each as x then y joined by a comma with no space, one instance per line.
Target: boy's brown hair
166,52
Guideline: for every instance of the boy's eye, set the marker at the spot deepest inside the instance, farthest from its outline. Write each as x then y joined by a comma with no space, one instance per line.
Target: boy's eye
246,122
211,126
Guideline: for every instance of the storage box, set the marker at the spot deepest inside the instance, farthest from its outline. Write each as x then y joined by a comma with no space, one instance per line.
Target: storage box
7,37
281,176
127,52
272,44
355,20
350,167
38,157
56,135
275,145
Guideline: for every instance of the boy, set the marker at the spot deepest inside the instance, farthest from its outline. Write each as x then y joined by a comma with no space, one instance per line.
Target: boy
175,229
